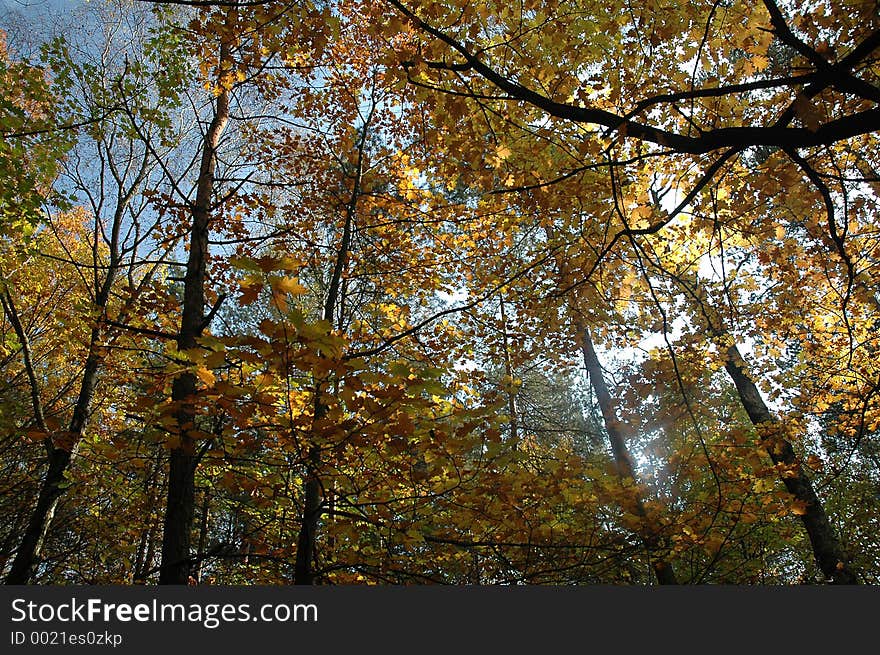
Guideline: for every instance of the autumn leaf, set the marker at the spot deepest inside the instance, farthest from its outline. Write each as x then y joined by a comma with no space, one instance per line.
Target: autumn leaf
205,375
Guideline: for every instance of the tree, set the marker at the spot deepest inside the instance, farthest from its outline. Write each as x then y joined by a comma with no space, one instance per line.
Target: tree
410,293
500,61
114,247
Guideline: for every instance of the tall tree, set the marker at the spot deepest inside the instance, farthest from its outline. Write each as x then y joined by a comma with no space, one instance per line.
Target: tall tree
107,175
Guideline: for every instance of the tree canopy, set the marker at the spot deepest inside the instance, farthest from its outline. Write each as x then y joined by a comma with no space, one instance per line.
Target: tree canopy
392,292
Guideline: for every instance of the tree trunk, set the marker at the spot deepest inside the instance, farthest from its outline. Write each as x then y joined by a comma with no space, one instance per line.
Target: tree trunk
303,573
512,408
179,511
827,548
617,436
203,534
146,547
59,459
31,545
61,449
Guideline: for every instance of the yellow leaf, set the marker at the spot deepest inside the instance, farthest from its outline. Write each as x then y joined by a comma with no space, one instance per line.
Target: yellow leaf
215,359
762,485
759,62
642,211
205,375
288,285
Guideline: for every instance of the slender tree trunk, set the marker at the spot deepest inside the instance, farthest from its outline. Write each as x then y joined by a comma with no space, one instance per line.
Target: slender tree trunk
146,546
617,436
9,541
203,534
305,544
61,450
175,566
179,509
152,544
303,573
141,555
512,408
827,548
11,312
59,459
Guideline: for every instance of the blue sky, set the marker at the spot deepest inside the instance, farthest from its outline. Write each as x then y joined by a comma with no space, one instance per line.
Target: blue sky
38,5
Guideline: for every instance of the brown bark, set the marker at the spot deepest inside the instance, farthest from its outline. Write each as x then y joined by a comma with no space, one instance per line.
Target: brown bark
179,511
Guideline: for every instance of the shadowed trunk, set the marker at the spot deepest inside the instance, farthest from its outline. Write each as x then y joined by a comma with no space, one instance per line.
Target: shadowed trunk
305,544
61,447
617,436
60,455
827,548
303,573
176,537
512,408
